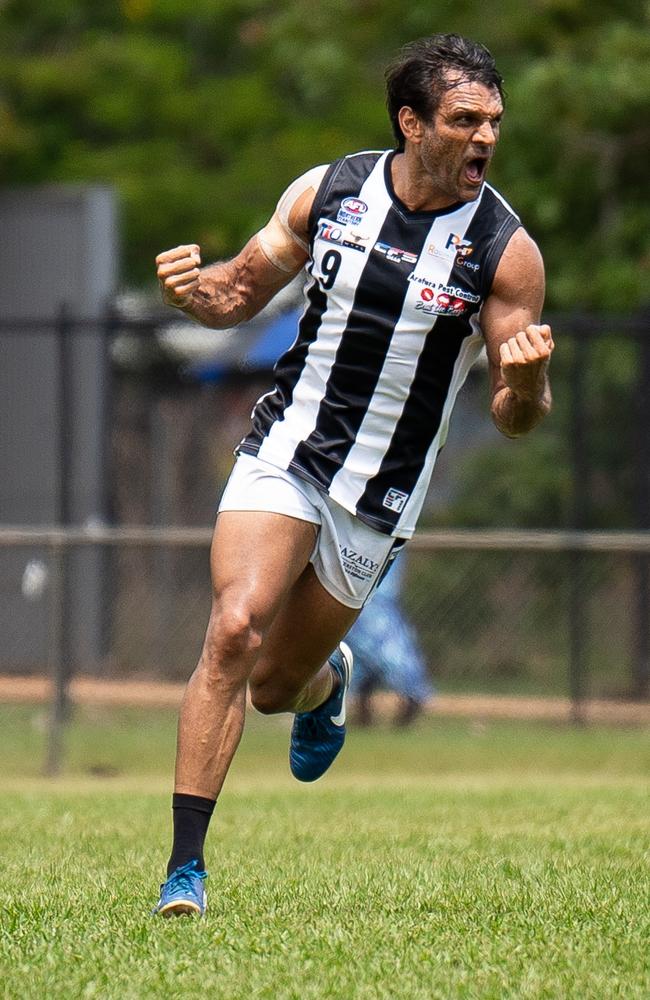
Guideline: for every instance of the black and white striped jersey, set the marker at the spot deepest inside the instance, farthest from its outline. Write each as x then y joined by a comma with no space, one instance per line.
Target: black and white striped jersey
363,397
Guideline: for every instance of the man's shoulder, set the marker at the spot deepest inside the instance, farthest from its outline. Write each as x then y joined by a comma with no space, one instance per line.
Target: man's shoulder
500,206
360,159
344,176
351,169
366,152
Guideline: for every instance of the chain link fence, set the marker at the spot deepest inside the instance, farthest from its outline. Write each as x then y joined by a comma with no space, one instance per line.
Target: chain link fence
564,611
544,613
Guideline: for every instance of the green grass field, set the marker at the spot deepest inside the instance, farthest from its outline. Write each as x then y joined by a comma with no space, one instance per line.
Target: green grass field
455,860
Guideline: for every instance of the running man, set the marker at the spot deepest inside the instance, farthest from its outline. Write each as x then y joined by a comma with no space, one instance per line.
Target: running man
413,263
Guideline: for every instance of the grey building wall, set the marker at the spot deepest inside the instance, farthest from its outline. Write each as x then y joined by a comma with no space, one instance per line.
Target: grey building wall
58,248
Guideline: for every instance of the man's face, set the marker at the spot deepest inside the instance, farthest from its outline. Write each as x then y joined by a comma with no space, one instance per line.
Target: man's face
458,144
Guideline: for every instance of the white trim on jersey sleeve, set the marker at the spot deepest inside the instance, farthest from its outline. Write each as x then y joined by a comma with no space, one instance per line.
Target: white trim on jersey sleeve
503,201
367,152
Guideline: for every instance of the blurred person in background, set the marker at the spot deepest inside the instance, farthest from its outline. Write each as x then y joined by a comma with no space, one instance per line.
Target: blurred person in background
414,263
387,655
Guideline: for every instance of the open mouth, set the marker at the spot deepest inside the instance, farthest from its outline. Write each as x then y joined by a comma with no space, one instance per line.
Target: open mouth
475,169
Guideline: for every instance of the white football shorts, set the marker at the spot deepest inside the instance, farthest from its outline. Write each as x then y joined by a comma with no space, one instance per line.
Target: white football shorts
349,557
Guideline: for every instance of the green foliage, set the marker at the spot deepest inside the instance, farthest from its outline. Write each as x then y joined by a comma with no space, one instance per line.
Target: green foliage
529,482
201,115
578,174
526,483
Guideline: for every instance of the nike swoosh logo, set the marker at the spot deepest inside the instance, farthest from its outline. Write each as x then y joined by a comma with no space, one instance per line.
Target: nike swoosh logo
339,720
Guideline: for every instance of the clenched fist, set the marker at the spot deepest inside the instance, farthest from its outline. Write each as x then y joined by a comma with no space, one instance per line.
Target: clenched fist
524,360
178,274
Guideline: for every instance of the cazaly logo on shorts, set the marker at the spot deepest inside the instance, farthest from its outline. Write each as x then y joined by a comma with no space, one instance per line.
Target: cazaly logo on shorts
357,564
395,500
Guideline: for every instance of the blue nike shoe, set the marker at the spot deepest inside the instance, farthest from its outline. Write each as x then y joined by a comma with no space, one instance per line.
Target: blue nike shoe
183,892
317,736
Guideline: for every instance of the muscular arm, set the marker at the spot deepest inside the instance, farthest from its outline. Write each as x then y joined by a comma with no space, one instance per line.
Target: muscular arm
227,293
233,291
518,348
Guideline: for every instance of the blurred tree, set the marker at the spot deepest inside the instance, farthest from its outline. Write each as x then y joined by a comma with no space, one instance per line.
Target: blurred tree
530,482
202,115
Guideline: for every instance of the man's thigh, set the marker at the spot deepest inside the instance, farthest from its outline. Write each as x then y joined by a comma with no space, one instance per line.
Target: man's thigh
298,565
255,560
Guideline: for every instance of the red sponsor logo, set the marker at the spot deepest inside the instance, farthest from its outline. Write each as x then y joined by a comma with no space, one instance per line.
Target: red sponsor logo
441,304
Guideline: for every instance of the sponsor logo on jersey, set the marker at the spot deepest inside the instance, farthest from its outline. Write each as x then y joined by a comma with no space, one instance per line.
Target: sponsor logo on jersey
354,205
463,248
452,290
471,265
419,279
441,304
352,211
357,238
455,245
395,254
440,251
395,500
332,233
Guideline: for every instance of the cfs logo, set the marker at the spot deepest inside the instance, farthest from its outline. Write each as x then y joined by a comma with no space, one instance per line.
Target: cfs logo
462,247
395,500
396,254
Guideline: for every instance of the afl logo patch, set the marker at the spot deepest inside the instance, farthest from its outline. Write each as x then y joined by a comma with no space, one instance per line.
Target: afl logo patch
354,206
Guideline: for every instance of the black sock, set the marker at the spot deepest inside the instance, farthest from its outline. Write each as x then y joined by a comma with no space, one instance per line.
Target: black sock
191,820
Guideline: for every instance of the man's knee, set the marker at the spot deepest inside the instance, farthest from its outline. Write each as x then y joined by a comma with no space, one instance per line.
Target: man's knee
234,633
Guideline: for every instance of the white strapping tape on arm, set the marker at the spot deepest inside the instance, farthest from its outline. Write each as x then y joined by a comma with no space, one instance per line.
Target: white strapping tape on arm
277,240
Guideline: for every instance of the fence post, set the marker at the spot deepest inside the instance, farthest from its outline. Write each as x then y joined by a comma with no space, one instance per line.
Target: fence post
59,703
640,687
108,328
61,646
577,583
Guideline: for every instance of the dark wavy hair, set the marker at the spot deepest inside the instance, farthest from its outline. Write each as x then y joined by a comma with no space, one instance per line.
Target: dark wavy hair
417,78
